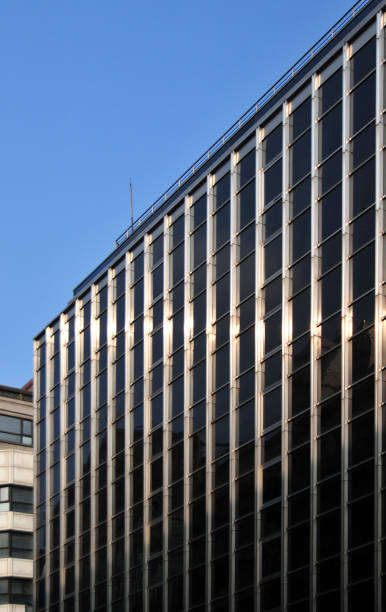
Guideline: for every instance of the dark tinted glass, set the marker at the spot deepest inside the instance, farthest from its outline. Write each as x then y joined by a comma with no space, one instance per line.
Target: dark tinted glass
301,235
301,118
300,313
363,229
331,212
363,145
272,220
221,226
272,294
300,158
247,204
363,103
363,61
272,144
301,274
331,172
273,182
331,132
272,257
222,190
331,90
331,253
363,270
272,407
363,187
247,167
300,197
331,292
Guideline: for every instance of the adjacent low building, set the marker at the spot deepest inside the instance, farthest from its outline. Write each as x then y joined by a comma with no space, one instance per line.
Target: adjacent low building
210,417
16,499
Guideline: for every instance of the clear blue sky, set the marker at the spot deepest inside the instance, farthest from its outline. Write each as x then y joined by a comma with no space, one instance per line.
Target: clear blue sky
96,91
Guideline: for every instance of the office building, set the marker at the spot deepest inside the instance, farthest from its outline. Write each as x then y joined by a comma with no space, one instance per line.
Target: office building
16,499
210,403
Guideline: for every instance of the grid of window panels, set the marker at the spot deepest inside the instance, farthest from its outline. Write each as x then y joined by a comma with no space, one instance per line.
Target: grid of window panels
210,412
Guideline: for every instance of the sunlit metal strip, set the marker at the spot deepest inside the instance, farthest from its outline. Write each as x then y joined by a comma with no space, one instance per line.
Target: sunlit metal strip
346,361
314,330
286,338
234,326
259,351
63,393
167,434
379,291
111,354
128,433
147,322
36,416
93,427
49,429
187,390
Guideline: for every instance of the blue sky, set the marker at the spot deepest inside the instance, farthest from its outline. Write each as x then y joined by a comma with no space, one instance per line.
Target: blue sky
93,92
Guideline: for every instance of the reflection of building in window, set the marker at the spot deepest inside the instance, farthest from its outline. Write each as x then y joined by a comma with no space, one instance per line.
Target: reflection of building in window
16,544
15,430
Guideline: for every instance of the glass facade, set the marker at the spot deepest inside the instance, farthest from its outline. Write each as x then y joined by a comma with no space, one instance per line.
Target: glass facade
210,411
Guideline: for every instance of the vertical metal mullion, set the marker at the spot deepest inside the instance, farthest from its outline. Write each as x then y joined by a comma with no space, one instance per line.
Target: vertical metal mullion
315,332
209,380
146,411
233,370
35,466
346,122
76,450
187,392
167,347
93,429
379,295
286,337
128,342
111,327
62,383
49,405
259,350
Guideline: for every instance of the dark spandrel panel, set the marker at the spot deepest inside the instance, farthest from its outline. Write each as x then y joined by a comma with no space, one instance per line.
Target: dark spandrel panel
177,265
330,132
245,495
273,182
331,253
222,261
272,220
157,248
361,480
300,197
300,351
246,274
301,274
331,292
247,167
272,336
363,145
301,235
272,481
222,190
301,313
272,370
138,267
361,521
363,271
247,208
271,446
272,257
363,229
247,349
272,294
199,246
178,229
272,145
245,423
300,390
331,212
271,520
298,508
363,312
363,354
331,333
299,469
156,410
247,241
331,172
298,588
363,187
222,363
329,454
222,296
361,438
221,226
363,61
361,563
221,330
298,546
199,211
300,119
270,557
331,90
363,104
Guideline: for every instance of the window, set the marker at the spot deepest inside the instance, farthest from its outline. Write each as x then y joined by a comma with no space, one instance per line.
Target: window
15,430
16,499
15,591
16,544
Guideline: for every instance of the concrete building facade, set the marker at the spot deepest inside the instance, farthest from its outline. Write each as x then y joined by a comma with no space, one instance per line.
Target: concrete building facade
210,405
16,500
